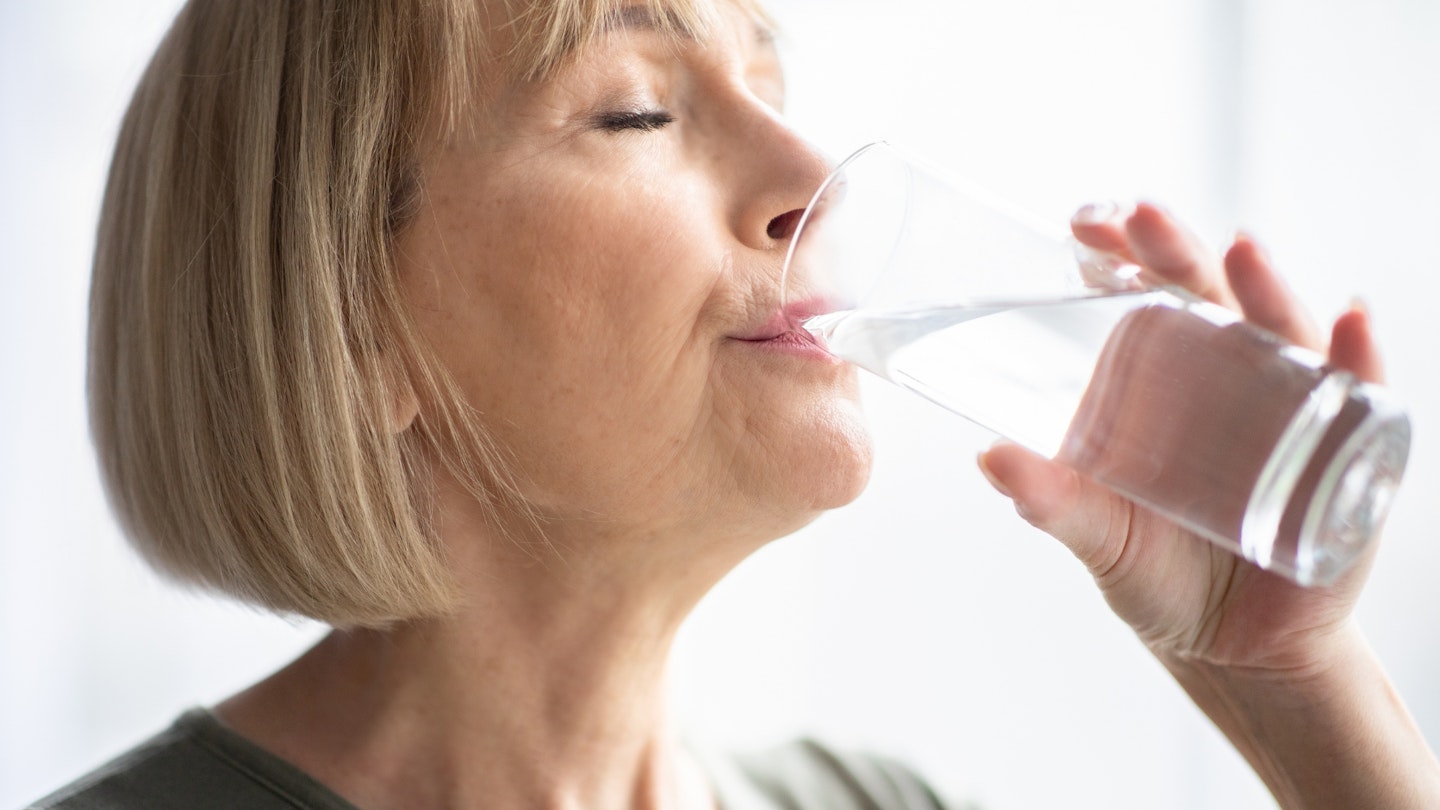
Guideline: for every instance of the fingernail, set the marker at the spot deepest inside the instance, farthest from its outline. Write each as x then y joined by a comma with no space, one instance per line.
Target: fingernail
990,476
1244,237
1357,304
1155,207
1096,213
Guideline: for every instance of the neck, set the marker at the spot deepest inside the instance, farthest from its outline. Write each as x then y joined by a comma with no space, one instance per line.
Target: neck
546,690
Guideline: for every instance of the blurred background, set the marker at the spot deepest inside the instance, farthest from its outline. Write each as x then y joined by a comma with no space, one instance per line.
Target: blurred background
925,620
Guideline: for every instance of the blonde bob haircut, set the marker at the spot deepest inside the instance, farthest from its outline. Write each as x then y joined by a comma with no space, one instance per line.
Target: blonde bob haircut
248,336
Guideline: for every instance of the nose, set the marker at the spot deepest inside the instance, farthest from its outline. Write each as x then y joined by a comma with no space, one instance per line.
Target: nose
782,171
783,227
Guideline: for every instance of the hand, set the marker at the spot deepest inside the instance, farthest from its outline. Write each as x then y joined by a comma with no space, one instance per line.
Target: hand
1282,670
1186,598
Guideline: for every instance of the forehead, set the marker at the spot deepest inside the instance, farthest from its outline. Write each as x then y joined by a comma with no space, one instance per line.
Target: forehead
491,51
730,24
540,38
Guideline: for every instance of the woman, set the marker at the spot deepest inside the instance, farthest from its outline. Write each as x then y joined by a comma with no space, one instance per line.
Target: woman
453,325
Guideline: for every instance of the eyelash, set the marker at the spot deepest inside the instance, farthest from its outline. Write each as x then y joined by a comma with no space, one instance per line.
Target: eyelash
641,120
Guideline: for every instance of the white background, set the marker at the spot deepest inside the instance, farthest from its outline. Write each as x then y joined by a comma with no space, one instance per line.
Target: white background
925,620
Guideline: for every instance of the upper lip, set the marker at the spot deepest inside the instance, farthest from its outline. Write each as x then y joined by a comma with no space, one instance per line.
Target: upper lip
783,321
774,326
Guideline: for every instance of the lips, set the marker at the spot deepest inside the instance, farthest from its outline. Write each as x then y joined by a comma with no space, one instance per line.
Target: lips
785,321
793,339
781,330
777,326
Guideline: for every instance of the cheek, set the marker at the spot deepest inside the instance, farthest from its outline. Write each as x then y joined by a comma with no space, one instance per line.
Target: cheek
580,337
610,272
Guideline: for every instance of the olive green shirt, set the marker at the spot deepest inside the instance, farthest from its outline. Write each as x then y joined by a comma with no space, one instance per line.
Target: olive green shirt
200,763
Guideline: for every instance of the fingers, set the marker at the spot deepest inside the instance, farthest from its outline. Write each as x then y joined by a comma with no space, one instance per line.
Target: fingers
1173,255
1103,250
1243,280
1102,226
1091,522
1151,238
1264,297
1267,301
1352,345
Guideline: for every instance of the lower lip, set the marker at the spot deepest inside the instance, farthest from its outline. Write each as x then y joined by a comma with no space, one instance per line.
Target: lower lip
793,343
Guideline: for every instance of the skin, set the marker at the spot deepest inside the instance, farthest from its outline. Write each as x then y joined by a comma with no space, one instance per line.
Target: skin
1283,671
595,290
550,257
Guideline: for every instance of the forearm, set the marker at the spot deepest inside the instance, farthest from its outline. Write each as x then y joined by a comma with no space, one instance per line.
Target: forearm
1337,736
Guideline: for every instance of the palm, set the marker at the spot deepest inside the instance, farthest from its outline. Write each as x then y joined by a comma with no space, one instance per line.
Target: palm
1184,596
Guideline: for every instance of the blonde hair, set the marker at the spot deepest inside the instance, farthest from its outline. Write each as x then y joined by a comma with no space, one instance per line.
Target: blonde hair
248,338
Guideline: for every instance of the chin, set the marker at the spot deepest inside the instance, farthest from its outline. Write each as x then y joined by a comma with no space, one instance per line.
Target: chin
820,476
832,465
808,453
850,472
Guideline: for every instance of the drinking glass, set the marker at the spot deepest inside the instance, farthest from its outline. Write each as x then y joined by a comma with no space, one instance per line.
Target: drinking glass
1171,401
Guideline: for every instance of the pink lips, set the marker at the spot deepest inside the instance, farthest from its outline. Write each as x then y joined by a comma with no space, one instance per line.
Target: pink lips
781,332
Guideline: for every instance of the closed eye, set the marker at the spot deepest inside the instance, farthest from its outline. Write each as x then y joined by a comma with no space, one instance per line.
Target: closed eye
641,120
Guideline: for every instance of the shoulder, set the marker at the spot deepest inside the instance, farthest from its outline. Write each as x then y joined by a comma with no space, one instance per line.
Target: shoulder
196,762
808,774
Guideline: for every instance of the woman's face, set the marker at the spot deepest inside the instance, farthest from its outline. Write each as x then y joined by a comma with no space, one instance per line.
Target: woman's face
598,266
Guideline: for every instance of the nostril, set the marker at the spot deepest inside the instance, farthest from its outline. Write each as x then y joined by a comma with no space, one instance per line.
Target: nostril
783,227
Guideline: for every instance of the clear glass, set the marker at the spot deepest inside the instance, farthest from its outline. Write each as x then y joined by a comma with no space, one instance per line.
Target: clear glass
1169,400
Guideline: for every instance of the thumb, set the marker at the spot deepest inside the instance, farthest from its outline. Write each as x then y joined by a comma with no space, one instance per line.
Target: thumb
1090,520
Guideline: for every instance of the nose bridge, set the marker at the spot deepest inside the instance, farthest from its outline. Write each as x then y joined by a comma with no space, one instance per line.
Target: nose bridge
800,166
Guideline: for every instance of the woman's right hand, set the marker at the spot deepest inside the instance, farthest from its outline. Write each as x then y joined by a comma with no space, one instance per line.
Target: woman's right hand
1281,669
1184,596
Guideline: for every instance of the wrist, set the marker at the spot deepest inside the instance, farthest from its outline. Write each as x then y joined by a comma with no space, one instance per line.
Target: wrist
1320,666
1326,730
